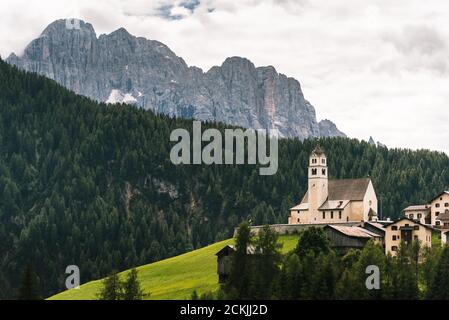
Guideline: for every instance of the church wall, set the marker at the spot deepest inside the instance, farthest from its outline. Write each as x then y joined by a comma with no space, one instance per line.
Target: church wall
332,218
356,211
303,216
370,201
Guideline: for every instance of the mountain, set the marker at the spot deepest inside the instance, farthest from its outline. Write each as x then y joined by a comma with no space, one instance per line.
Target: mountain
329,129
89,184
120,67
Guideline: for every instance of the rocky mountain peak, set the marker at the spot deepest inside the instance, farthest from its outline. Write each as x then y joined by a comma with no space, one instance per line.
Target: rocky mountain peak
119,67
69,27
329,129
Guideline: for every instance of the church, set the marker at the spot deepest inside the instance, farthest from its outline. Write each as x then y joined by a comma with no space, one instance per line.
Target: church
333,201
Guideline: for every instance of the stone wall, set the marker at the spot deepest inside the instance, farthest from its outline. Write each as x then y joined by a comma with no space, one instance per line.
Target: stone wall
295,228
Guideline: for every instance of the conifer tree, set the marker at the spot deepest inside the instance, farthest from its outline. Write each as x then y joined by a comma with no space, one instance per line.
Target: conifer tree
131,287
28,287
112,288
241,277
439,290
268,258
312,239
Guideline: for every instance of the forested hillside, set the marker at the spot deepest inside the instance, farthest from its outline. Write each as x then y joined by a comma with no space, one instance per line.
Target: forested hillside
92,184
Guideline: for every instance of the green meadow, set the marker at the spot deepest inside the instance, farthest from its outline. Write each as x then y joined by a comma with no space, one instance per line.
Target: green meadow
174,278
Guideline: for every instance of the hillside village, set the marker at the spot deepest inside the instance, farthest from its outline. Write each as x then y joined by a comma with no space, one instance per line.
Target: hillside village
347,210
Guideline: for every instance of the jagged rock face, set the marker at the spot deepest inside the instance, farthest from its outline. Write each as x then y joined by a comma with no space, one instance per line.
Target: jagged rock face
329,129
119,67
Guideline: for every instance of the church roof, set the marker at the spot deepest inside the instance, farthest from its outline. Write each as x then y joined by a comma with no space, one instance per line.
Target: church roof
301,207
334,205
345,189
318,151
348,189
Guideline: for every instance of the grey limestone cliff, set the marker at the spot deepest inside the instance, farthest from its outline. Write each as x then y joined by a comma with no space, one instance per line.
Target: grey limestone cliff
119,67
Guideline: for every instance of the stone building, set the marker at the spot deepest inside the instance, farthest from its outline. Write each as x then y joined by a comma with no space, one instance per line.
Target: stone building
406,231
333,201
435,213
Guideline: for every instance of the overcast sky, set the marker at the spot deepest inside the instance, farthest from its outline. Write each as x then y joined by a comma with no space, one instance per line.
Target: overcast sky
374,67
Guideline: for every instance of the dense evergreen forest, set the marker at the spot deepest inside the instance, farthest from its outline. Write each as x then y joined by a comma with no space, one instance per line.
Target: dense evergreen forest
92,184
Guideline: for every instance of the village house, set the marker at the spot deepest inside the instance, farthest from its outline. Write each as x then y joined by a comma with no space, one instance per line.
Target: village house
333,201
407,231
435,213
420,213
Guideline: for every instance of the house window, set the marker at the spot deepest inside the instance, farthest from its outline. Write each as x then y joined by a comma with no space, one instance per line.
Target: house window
412,216
437,205
324,215
415,237
313,160
419,215
332,214
314,171
437,214
437,223
324,172
416,227
446,204
394,238
323,161
339,214
394,228
407,225
298,219
394,248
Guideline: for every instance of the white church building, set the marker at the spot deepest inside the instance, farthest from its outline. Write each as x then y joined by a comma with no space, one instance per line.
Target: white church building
334,201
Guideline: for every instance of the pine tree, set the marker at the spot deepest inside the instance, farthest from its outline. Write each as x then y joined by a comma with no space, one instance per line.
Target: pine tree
131,287
241,277
28,287
267,262
439,290
312,239
406,284
112,288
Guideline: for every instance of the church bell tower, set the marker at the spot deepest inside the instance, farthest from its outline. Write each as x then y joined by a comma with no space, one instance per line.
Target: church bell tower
318,180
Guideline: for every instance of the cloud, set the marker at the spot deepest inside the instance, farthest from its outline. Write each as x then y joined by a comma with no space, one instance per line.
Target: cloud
375,67
419,47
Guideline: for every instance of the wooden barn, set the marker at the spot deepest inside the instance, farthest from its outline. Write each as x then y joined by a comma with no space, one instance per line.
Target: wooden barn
344,238
224,261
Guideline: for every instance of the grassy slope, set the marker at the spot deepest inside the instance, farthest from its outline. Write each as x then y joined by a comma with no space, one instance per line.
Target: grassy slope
174,278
